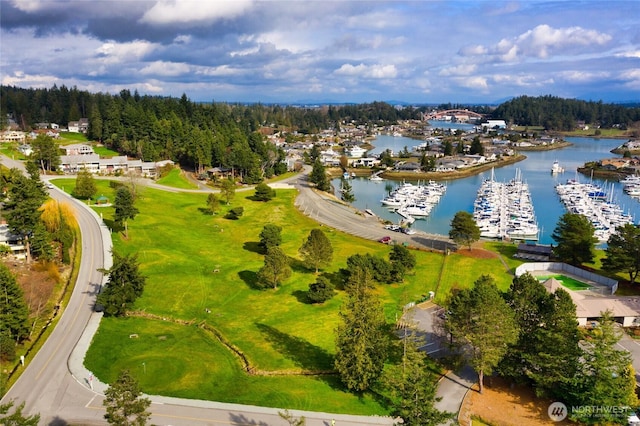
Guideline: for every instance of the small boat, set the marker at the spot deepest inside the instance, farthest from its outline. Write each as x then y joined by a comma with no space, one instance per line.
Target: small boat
376,178
556,168
346,175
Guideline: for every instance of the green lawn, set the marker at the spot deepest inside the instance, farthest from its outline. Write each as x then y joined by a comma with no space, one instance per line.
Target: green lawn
568,282
175,178
104,152
72,137
180,248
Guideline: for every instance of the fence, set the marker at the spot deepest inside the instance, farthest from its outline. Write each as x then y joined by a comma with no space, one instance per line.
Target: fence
569,269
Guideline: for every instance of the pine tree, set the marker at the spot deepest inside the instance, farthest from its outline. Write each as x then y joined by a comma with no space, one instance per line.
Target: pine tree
270,236
124,402
576,242
346,191
482,324
14,313
413,387
316,250
275,270
464,230
124,286
361,340
22,207
623,251
318,176
124,208
85,185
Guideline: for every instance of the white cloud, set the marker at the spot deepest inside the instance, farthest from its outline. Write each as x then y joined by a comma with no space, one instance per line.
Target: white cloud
114,53
220,71
632,78
166,69
190,11
477,82
521,80
19,78
577,76
544,40
629,54
368,71
462,69
29,5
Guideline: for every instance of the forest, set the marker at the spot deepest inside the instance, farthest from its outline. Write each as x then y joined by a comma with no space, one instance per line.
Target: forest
200,135
560,114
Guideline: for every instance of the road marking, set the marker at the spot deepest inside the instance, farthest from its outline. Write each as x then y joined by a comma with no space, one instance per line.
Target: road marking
75,317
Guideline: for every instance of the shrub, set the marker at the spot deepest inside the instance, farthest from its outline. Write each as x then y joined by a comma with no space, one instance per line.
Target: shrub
235,213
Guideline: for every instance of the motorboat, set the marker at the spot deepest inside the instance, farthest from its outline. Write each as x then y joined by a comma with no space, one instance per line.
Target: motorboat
556,168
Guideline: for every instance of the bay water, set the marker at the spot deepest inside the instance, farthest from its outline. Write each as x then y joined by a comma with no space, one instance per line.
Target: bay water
535,170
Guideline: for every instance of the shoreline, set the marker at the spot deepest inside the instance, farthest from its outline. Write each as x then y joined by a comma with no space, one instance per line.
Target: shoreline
391,175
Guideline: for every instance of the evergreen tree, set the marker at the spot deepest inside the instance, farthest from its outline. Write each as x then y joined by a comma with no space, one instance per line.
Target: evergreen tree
85,185
213,202
482,324
464,230
270,236
22,207
316,250
124,286
16,418
576,242
402,261
476,146
547,352
228,189
447,148
275,270
45,153
413,387
41,247
623,251
264,192
124,207
346,191
605,377
318,176
361,339
14,314
321,290
124,402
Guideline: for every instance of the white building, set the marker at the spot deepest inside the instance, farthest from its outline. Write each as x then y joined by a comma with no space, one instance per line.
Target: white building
355,152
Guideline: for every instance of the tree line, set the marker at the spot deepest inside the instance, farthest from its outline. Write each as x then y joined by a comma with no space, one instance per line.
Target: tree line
554,113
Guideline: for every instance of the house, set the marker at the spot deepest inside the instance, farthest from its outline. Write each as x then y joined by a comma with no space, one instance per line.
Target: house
78,149
80,126
12,136
12,241
25,149
365,162
355,152
494,124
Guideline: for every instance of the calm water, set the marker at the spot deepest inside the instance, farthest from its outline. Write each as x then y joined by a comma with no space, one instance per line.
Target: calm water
536,171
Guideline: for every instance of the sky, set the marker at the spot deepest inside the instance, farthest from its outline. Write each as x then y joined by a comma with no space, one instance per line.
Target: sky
296,51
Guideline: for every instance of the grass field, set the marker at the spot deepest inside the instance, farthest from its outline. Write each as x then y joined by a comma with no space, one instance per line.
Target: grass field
180,248
104,152
568,282
175,178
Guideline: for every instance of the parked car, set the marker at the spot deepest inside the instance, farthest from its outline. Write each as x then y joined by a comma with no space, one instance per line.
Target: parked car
385,240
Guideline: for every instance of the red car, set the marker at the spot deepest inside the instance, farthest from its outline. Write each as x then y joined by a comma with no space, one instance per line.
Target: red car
385,240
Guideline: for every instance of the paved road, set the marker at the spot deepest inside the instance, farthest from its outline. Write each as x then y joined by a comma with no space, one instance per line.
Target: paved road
56,385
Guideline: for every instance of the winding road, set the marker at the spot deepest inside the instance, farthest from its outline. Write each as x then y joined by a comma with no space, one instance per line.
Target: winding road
56,385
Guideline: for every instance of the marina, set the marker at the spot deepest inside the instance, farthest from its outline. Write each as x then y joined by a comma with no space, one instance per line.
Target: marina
593,202
505,211
414,201
461,193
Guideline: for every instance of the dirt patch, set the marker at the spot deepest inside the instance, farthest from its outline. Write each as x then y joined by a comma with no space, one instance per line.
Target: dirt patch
38,284
503,405
476,253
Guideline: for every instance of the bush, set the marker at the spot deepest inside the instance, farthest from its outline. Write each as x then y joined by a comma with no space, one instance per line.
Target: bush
235,213
320,291
264,192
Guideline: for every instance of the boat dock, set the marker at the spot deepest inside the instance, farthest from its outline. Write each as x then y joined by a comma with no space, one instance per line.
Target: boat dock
414,201
505,211
592,201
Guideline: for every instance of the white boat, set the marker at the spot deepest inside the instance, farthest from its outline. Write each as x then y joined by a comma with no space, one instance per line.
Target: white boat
376,178
556,168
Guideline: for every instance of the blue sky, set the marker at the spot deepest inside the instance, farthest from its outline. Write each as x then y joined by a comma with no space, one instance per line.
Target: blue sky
326,51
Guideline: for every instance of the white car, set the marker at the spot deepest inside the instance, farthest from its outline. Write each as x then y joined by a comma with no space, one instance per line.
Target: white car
49,185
